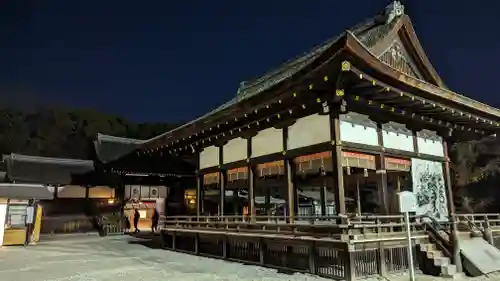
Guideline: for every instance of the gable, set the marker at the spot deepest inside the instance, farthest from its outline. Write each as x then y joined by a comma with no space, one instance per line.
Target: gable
402,50
397,57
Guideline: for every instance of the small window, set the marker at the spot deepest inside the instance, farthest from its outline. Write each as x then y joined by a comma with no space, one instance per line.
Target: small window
16,215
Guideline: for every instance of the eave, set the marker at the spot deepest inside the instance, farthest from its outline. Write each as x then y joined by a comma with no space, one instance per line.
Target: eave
384,103
111,148
45,170
368,63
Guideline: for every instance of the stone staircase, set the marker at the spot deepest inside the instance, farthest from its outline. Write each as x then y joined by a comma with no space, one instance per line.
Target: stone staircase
434,262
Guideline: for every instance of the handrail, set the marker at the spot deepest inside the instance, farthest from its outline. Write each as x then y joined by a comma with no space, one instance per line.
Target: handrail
471,225
433,229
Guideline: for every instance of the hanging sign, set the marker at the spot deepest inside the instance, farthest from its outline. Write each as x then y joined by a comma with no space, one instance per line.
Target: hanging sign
407,202
358,160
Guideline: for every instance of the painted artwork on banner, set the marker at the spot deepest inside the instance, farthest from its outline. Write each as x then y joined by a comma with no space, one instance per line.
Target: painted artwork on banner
429,188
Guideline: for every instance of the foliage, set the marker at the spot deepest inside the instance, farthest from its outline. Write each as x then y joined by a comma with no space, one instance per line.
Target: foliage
59,132
474,161
475,168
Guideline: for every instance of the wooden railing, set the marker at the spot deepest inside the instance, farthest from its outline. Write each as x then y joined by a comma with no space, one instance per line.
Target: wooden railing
479,220
338,247
339,227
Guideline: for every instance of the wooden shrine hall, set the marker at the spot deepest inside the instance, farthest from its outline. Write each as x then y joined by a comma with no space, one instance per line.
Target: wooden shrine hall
301,169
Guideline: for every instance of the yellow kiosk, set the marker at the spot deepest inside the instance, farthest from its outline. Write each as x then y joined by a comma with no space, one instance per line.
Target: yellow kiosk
20,216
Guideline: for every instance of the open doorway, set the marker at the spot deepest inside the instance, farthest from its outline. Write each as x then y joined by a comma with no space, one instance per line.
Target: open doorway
271,190
398,179
361,183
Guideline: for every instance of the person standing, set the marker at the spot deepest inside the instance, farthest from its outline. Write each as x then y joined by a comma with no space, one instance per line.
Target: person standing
154,220
137,216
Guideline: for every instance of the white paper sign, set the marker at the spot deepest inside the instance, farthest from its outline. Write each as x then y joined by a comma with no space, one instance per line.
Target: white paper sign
30,214
407,202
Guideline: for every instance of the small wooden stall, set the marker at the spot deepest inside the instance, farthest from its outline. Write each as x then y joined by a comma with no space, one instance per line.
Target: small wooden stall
20,215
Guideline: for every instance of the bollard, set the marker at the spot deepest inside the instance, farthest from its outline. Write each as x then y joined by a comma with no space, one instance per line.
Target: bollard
488,234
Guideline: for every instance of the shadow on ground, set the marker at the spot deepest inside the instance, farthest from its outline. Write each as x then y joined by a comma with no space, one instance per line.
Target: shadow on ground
146,239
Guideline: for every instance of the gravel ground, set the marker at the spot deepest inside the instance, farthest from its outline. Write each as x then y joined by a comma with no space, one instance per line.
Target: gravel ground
122,259
114,259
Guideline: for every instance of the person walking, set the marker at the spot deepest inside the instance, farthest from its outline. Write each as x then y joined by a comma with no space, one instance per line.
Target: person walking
137,216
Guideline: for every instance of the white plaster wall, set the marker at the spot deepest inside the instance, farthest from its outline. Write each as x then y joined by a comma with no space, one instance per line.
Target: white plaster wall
267,141
395,136
3,214
209,157
352,131
71,191
430,147
430,143
234,150
101,192
309,130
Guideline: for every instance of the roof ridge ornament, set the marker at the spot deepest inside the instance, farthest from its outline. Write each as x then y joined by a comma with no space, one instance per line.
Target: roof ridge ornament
393,10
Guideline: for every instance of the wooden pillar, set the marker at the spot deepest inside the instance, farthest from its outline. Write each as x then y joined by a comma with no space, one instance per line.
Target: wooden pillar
251,182
451,208
358,198
447,179
381,170
222,185
415,141
222,182
338,171
199,195
322,193
199,188
251,193
290,178
267,200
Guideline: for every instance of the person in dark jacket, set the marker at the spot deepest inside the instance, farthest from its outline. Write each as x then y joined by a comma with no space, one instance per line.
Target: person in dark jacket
127,224
137,216
154,220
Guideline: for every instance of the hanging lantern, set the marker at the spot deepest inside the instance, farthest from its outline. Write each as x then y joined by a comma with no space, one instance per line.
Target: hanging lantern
366,173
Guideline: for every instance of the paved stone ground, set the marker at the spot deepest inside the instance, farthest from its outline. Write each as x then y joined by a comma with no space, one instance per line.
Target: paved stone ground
120,259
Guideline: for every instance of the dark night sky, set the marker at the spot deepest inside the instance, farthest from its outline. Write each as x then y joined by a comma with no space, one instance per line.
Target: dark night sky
161,60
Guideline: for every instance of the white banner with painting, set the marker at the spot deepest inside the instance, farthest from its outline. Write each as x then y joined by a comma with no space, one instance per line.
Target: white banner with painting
429,188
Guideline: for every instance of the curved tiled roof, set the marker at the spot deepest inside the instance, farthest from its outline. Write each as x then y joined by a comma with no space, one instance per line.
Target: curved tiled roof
110,148
46,170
